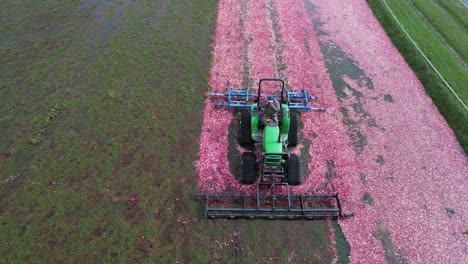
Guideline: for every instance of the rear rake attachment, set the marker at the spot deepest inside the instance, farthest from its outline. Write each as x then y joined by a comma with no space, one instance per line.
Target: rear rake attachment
272,205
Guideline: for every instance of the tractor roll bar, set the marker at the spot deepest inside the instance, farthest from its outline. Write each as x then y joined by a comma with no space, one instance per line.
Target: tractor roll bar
273,80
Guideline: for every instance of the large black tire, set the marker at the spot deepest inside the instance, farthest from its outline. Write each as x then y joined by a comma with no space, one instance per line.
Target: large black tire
294,170
292,135
245,134
249,168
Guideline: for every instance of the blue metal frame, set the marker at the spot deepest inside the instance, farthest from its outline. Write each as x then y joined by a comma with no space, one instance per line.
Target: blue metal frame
300,101
243,99
235,98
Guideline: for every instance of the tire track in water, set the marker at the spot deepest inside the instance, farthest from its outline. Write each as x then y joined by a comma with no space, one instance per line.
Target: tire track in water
261,41
278,40
234,150
243,19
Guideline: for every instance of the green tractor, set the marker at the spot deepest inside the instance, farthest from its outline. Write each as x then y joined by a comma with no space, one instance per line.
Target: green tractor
271,141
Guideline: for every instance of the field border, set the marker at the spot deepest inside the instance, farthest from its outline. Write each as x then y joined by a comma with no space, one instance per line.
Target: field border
453,112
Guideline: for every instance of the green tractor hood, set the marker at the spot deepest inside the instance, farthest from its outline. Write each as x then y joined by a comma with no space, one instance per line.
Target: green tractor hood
270,139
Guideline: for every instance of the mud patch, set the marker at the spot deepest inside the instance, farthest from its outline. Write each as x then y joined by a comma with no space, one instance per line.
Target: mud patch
340,65
343,73
357,108
318,28
305,158
380,160
312,10
390,178
358,140
392,256
346,118
307,46
449,211
388,98
331,170
366,198
363,178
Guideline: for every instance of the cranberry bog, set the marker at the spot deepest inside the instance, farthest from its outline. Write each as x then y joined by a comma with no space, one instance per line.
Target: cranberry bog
106,133
382,145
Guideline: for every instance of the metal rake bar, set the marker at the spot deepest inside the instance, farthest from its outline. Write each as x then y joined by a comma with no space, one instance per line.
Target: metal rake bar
272,206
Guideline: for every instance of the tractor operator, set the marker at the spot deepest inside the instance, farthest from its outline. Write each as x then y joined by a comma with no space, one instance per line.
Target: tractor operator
271,108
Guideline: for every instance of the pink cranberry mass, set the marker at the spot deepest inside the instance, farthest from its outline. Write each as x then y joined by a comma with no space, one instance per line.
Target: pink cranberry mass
382,144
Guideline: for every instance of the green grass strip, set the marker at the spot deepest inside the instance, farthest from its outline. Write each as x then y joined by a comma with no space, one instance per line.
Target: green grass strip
454,32
454,113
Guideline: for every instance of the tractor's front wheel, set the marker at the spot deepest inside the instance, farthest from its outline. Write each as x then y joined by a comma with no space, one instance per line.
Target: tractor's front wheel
294,169
245,135
249,168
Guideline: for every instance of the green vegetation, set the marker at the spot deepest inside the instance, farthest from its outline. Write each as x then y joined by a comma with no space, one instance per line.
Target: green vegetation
440,29
342,246
101,106
452,29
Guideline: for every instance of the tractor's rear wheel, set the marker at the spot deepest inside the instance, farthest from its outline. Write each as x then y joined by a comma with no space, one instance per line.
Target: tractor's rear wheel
249,168
292,134
294,169
245,136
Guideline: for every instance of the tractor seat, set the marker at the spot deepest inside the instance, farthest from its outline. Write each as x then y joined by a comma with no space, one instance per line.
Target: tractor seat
272,123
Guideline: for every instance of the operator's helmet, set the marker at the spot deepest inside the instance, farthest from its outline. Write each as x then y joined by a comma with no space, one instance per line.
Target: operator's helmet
271,98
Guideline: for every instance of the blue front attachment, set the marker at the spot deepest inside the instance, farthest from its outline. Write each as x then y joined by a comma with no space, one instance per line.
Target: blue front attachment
244,98
300,101
235,98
